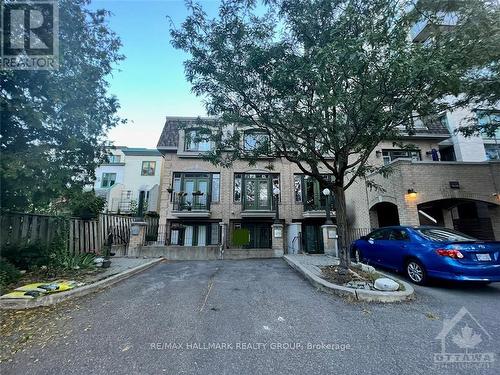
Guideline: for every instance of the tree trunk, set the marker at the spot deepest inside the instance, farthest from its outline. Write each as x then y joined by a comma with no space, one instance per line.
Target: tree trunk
341,214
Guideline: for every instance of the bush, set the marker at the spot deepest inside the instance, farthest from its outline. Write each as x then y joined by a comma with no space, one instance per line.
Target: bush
85,205
27,256
8,274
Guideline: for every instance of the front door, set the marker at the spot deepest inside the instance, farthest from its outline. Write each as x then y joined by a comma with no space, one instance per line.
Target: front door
313,239
260,235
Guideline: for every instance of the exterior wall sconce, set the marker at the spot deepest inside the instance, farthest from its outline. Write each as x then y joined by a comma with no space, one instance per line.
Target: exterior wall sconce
411,193
378,153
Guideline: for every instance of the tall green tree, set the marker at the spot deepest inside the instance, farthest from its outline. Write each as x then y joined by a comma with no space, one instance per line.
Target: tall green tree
53,123
327,80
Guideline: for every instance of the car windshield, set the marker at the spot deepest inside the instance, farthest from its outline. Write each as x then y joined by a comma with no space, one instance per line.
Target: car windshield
445,235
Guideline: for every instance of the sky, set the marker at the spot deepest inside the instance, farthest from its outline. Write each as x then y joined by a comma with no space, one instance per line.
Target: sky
150,83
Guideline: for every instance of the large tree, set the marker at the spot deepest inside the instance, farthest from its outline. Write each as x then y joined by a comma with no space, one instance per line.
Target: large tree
327,80
53,123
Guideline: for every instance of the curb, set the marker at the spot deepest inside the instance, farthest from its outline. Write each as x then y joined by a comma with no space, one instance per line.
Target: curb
15,304
360,295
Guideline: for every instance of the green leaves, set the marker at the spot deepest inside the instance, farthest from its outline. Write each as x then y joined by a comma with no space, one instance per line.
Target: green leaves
54,122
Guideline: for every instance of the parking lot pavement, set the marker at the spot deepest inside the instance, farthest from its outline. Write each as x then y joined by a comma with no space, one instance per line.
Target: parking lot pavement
260,316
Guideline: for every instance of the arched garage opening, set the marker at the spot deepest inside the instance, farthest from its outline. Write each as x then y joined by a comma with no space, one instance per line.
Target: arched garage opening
472,217
385,214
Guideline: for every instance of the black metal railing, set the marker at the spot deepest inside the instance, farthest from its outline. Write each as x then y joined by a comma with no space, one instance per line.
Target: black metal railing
191,202
318,205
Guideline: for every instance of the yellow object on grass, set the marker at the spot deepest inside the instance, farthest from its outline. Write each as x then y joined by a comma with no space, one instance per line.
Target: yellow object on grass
19,294
39,289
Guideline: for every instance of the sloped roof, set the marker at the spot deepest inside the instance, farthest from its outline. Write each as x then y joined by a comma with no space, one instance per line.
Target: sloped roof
169,138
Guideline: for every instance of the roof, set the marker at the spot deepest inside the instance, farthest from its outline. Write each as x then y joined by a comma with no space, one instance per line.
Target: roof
140,151
169,138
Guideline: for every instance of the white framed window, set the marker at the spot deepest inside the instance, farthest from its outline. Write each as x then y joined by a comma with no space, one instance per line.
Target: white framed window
194,140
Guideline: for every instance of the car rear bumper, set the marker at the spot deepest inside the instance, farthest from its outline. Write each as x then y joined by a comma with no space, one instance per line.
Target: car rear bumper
485,274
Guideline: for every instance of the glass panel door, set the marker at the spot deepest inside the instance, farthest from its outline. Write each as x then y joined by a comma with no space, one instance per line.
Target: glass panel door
202,235
188,236
203,187
257,192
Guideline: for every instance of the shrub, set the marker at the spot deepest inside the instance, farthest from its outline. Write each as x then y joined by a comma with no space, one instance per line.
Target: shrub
8,274
26,256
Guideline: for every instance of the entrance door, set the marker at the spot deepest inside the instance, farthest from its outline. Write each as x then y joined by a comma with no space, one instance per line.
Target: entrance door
260,235
313,239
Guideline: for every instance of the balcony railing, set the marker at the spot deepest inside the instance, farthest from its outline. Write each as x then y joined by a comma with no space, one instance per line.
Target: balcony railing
423,29
318,205
188,202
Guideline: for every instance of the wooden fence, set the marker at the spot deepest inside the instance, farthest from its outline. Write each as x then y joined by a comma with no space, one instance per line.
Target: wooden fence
83,235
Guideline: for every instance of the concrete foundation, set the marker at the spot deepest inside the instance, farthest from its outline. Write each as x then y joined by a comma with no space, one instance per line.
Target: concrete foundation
205,253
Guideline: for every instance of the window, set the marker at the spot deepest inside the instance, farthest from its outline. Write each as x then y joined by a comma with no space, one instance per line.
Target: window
237,188
113,159
186,189
488,119
398,235
256,141
492,152
195,234
148,168
391,155
297,185
215,187
255,190
444,235
197,140
379,234
108,180
308,191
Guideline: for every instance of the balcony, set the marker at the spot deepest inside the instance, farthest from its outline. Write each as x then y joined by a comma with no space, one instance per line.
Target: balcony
422,30
191,205
316,208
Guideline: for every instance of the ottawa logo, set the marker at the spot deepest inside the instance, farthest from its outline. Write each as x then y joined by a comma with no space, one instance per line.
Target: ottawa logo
463,343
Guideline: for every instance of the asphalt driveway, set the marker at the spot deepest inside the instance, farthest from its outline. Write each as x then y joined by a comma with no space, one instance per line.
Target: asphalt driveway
255,317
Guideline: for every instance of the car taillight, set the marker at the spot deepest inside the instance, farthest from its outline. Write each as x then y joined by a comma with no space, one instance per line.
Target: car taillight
452,253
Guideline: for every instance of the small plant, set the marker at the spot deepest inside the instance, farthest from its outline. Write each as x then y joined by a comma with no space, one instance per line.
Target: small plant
8,274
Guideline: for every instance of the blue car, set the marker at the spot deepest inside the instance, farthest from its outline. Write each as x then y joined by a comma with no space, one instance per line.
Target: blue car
430,252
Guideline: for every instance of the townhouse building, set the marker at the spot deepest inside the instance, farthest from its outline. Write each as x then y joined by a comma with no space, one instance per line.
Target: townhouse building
440,178
126,173
206,205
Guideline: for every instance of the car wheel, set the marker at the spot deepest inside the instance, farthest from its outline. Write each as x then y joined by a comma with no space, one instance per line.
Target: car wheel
356,255
416,272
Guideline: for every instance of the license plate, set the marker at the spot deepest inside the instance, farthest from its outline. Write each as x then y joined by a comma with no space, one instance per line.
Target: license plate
483,257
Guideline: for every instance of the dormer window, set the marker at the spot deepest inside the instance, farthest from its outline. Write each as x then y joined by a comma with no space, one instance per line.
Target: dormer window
197,140
256,140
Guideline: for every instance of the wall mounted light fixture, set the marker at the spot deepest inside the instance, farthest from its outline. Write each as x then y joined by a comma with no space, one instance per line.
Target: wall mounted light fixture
412,193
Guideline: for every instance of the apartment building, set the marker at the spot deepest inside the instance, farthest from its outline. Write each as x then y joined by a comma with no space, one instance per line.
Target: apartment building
203,205
126,173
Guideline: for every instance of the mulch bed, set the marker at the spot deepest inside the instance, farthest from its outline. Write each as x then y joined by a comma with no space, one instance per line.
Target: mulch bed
331,274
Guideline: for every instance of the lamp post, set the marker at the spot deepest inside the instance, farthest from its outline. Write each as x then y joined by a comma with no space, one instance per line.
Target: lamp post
276,193
327,193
